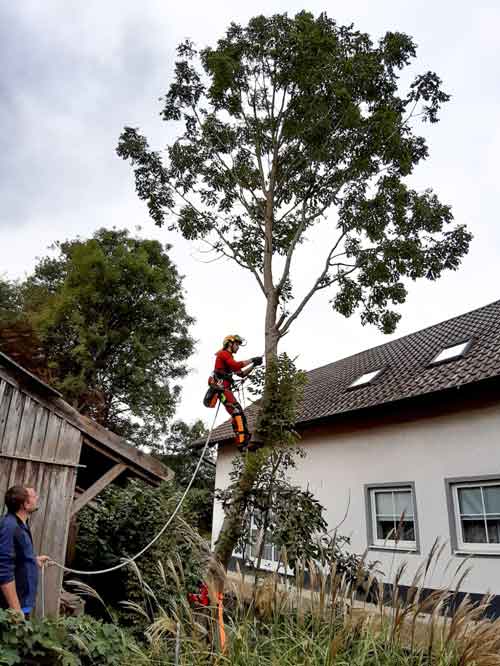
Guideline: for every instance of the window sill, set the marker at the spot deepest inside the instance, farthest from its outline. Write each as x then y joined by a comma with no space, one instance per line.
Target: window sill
272,566
460,552
410,550
266,565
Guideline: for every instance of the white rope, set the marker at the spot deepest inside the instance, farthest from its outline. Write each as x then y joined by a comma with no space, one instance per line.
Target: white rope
153,541
44,564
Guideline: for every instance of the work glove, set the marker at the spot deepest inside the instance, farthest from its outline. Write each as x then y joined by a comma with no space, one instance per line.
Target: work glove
257,360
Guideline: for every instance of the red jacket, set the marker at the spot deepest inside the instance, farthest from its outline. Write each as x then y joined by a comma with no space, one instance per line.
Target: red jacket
226,365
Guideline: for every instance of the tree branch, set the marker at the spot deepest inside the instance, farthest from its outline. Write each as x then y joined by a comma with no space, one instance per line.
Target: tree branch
239,259
300,229
314,288
227,170
258,152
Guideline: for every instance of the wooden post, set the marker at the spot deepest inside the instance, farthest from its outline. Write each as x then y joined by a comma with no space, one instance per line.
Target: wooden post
96,487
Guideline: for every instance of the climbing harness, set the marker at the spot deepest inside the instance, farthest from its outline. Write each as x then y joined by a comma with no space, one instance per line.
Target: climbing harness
129,560
221,385
219,393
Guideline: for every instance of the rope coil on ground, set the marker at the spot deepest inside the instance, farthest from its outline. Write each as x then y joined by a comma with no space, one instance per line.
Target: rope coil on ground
129,560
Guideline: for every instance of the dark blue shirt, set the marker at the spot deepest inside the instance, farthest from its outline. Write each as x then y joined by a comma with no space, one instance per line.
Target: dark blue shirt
17,560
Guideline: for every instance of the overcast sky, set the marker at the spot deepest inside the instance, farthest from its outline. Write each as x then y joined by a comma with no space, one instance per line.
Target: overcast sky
74,73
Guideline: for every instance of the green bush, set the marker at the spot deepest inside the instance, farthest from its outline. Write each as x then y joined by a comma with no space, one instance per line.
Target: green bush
121,523
81,641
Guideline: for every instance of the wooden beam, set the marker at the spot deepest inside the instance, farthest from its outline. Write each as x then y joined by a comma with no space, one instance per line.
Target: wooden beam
96,487
105,452
45,461
136,459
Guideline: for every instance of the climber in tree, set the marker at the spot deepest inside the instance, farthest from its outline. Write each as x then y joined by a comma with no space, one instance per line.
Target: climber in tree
221,385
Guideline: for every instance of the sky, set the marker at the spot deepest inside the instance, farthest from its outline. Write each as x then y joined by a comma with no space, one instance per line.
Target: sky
74,74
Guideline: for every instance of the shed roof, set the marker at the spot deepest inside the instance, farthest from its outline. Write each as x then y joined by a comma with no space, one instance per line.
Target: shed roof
113,446
407,369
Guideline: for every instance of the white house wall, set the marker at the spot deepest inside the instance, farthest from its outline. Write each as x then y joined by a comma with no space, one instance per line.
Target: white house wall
426,452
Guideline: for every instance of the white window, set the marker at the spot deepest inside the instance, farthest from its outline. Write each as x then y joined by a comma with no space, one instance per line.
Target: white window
477,516
366,378
449,353
270,553
392,515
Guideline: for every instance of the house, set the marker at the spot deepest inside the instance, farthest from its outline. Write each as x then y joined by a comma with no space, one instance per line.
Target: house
45,443
405,438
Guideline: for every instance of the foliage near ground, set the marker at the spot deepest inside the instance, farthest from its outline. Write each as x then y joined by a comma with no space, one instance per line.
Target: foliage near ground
81,641
118,525
279,622
178,454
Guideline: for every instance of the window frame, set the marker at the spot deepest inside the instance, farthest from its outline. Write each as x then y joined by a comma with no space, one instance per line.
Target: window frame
377,371
265,564
464,341
458,545
392,545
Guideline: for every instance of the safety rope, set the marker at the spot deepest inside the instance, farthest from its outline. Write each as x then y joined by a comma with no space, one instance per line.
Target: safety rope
42,591
129,560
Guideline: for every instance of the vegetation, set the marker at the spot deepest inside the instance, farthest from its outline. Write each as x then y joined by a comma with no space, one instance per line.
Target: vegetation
110,320
291,126
284,622
178,454
118,525
278,622
81,641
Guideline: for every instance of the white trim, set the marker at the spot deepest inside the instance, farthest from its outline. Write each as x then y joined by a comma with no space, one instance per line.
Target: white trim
451,352
365,378
476,548
265,564
391,544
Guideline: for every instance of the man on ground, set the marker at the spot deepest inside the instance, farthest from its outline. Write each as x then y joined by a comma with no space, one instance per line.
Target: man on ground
18,563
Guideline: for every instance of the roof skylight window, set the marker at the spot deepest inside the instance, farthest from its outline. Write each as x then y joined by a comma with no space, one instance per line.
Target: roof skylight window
450,353
366,378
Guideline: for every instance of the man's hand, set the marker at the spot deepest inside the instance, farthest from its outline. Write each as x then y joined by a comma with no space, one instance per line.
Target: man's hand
257,360
42,560
17,615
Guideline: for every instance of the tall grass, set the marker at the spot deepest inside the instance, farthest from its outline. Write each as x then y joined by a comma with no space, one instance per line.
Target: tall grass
329,622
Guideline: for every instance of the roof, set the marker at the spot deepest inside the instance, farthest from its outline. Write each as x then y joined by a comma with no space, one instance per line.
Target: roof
29,376
110,444
406,371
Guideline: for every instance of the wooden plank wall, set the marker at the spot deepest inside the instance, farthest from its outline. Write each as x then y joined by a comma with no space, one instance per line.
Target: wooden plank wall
30,432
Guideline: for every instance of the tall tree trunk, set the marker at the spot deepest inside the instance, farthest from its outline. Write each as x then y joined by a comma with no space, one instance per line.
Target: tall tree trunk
231,527
233,519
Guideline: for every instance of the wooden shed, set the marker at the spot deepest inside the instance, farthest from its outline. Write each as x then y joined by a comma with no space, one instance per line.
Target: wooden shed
68,458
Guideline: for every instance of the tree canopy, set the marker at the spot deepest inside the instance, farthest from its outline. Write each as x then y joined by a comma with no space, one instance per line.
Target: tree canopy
110,317
286,122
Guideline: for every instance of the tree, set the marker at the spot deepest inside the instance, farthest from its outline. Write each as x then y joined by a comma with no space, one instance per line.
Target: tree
287,122
18,338
9,300
277,512
179,456
122,521
110,314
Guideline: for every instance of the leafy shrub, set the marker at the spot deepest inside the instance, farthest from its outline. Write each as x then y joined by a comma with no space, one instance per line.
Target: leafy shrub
81,641
123,521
